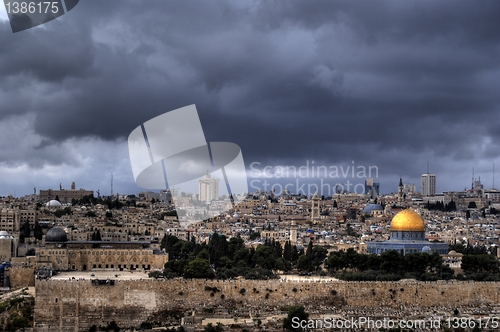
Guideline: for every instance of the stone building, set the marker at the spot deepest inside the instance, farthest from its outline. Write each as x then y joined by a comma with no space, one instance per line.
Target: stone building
65,196
9,219
64,255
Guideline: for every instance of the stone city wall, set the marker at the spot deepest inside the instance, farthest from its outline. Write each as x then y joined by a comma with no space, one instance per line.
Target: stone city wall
22,277
77,305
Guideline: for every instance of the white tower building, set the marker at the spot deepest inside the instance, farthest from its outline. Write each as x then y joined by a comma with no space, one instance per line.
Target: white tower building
428,184
208,188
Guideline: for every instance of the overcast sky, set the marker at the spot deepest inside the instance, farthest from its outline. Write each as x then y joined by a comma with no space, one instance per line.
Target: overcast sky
392,84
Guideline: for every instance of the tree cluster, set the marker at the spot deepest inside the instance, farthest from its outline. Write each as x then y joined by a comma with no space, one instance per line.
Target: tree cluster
90,200
440,206
312,259
225,259
390,265
62,212
96,236
481,267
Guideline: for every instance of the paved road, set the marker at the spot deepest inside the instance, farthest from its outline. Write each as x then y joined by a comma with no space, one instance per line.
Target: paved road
307,278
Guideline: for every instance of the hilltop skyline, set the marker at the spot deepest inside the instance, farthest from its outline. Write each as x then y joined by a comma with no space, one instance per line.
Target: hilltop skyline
395,85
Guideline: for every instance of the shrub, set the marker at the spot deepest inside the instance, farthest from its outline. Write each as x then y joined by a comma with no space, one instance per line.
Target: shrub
146,325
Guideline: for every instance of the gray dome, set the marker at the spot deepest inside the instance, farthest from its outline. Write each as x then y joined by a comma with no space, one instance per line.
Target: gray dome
56,234
372,207
427,249
5,235
53,203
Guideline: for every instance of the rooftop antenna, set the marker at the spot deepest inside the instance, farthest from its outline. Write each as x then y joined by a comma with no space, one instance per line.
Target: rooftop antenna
427,167
493,175
472,185
111,184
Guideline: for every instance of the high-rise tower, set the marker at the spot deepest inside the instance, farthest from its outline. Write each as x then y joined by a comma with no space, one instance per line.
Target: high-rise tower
208,188
428,186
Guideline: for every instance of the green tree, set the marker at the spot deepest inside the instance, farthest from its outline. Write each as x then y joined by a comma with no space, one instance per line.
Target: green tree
112,326
61,212
309,251
304,263
254,235
203,254
319,254
25,231
210,328
334,262
480,263
264,257
217,247
282,264
295,311
37,232
391,261
287,251
277,250
198,268
234,244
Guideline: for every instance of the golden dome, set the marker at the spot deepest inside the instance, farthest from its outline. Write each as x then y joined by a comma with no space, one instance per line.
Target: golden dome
407,220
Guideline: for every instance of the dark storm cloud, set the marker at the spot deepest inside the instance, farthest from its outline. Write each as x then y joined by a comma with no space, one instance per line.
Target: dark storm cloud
380,82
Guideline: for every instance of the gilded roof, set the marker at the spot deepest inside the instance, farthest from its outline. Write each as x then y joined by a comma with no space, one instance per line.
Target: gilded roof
407,220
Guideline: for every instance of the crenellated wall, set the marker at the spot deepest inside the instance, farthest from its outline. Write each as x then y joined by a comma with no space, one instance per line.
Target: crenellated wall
76,305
